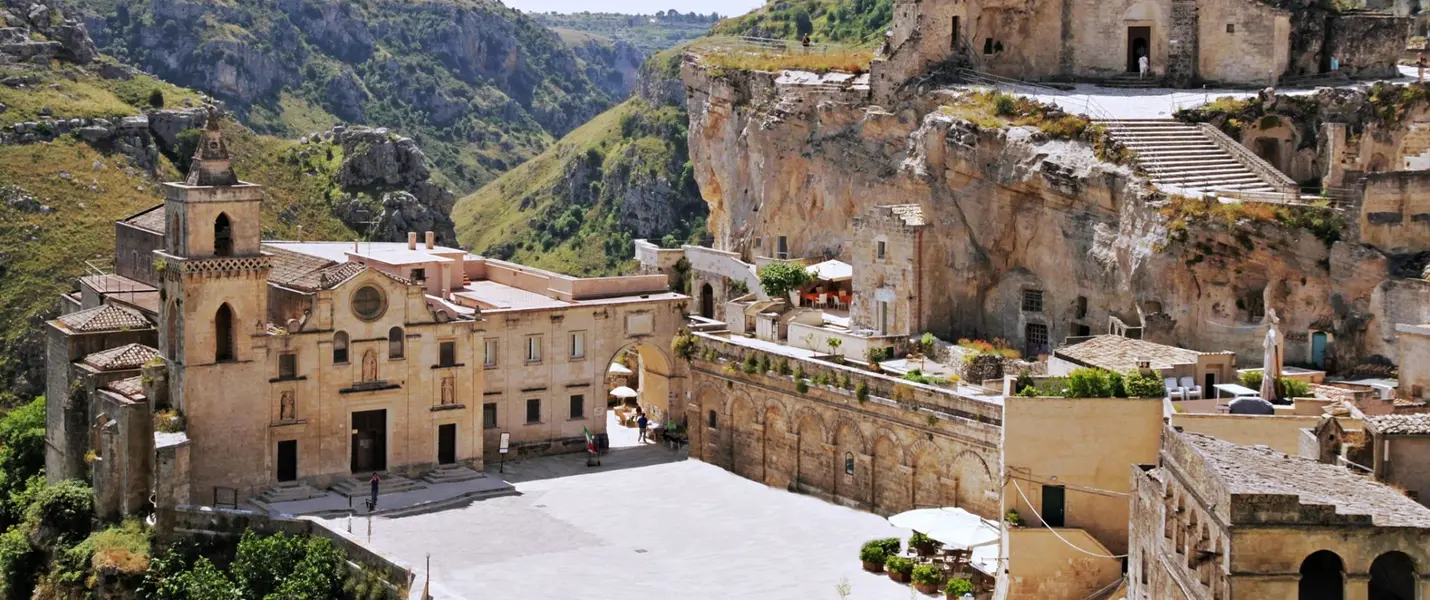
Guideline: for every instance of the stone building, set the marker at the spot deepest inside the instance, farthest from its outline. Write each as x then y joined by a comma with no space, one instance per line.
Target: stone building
1215,520
887,248
1240,42
311,362
1400,448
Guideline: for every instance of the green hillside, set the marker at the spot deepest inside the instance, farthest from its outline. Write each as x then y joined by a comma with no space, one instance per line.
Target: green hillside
576,207
846,21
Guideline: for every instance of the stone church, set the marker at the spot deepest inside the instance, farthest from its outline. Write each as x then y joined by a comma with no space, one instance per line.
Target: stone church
211,365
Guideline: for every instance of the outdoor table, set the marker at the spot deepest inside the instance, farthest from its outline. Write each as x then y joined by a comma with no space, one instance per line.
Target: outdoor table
1234,389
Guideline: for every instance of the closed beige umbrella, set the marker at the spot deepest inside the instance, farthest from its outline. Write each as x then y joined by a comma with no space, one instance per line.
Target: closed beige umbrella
1271,359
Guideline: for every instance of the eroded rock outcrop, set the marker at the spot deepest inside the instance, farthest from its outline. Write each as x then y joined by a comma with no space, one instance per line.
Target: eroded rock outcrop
1011,210
390,185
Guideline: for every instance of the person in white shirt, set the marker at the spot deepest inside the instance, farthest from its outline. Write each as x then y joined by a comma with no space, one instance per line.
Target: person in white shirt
1142,66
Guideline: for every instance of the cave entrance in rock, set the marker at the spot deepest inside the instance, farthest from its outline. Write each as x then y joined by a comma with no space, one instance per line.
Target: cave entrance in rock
707,301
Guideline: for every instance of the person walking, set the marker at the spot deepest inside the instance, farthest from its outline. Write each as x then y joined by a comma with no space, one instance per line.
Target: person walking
372,504
804,41
642,423
1142,65
1420,68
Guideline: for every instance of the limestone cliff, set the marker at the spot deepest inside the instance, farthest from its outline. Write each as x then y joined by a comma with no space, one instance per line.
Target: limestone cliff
1010,209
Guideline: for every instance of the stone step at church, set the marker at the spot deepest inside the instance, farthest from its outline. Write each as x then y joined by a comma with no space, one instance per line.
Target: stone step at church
358,487
289,491
451,474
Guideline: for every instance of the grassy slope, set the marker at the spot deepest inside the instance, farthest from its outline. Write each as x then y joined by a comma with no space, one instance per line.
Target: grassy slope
846,21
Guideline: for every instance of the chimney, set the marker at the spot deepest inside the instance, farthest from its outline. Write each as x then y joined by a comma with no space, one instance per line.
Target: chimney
412,240
355,246
431,240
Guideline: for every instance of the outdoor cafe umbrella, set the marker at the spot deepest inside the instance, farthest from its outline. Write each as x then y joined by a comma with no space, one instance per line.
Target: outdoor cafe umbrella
1271,359
952,526
624,392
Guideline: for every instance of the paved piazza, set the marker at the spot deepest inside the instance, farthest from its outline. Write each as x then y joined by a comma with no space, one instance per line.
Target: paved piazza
643,525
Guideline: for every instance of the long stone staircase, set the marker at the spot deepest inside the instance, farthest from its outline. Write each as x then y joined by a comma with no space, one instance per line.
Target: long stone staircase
1183,158
1132,81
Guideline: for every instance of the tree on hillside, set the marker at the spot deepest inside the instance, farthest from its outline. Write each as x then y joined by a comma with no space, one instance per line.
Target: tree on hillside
782,277
803,25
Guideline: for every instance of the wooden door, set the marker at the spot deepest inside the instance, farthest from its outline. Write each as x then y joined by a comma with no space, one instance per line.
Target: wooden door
1139,44
446,444
369,443
288,460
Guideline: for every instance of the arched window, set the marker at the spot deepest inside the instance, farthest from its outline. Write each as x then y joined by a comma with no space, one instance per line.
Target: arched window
340,347
712,419
223,236
394,342
1322,577
1392,577
223,334
848,463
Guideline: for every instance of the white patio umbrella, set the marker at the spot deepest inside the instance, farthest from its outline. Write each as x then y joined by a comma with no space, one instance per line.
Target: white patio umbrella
952,526
1271,359
619,369
624,392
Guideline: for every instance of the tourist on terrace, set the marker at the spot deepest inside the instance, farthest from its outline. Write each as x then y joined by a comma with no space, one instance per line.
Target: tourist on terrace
642,423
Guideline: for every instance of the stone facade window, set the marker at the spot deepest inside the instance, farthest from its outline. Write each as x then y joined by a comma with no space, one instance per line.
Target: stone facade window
489,415
882,249
1033,301
578,344
419,275
489,353
368,303
394,342
1037,339
287,365
533,410
1231,28
447,354
712,420
223,236
849,463
578,406
223,334
533,348
782,248
340,347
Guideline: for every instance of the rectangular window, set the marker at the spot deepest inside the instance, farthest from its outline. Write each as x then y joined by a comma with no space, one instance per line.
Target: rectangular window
489,415
759,241
533,348
882,249
953,41
489,353
1037,339
782,248
287,365
533,410
447,355
578,344
578,406
1231,28
1081,307
419,275
1033,301
988,46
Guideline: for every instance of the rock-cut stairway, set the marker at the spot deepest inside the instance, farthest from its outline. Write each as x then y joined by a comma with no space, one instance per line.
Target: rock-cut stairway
1181,158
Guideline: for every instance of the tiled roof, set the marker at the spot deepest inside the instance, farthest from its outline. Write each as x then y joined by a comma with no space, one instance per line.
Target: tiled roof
152,219
306,271
128,356
1117,353
1406,424
335,275
912,214
129,388
105,318
1259,470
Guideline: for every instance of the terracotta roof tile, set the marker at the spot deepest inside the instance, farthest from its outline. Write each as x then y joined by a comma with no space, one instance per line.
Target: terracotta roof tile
1403,424
1117,353
132,388
128,356
105,318
152,219
290,268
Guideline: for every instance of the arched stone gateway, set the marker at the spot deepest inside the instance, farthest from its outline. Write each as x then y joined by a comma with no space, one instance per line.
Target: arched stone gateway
657,382
1323,577
747,438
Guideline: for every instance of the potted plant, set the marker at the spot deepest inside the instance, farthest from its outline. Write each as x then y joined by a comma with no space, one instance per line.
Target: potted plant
1013,519
872,556
899,568
957,587
891,546
926,578
922,544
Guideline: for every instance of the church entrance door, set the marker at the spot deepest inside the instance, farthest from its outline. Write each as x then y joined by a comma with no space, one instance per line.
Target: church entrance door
369,441
288,460
1139,44
446,444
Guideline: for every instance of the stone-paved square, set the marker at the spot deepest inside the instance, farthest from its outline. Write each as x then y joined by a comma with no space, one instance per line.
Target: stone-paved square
643,525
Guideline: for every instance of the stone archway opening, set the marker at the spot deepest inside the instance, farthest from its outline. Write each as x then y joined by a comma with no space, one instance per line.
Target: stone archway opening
1393,577
643,368
1322,577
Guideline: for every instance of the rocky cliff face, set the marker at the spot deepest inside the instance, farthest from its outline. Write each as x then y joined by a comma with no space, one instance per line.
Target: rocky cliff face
389,187
36,31
1010,210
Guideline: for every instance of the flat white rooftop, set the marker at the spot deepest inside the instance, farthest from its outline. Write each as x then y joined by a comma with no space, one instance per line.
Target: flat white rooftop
497,296
388,252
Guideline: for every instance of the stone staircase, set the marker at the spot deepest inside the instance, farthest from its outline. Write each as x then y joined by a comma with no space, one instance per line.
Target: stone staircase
289,491
1181,158
1132,81
358,487
451,474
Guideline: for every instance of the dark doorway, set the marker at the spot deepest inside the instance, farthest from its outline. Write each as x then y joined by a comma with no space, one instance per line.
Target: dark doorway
1139,44
288,460
1269,149
1054,505
1209,384
1035,339
223,334
953,39
1392,577
446,444
1318,349
1322,577
369,441
707,301
223,236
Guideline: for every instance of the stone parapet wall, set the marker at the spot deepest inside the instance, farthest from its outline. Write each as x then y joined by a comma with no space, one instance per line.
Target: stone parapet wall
903,445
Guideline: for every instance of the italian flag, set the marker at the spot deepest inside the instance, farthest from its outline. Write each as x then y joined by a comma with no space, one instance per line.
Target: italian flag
590,440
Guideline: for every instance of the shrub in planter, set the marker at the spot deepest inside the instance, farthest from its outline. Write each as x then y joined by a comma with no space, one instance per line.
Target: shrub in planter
872,556
926,578
956,588
899,568
922,544
1013,518
891,546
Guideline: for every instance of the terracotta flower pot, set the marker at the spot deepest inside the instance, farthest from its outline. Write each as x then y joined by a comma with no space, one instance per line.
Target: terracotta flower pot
899,577
927,588
873,567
